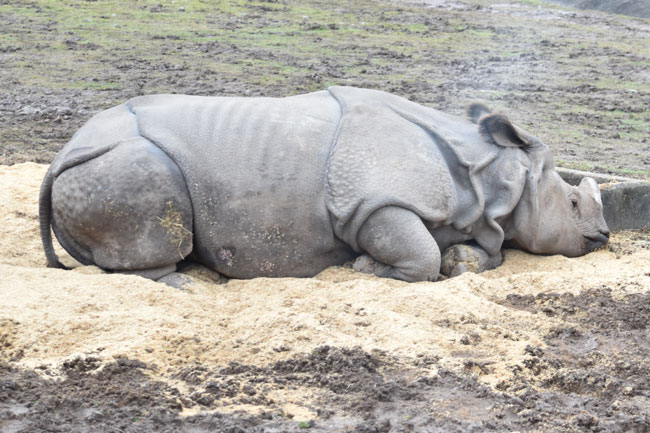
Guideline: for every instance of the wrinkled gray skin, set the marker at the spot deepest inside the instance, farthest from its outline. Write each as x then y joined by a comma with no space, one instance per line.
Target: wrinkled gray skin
255,187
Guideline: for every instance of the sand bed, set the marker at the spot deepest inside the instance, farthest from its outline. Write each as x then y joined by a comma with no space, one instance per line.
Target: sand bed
49,316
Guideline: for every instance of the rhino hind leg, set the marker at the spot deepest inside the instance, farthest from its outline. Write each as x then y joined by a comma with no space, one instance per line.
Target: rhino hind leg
461,258
127,210
399,246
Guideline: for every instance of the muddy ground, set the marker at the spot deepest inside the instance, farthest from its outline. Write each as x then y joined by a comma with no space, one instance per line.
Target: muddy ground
541,344
579,80
538,344
633,8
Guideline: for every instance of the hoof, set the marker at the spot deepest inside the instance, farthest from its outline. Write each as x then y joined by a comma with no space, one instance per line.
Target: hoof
368,265
458,259
175,280
461,258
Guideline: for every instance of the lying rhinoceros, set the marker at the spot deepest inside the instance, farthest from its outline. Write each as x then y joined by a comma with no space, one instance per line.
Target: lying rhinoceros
285,187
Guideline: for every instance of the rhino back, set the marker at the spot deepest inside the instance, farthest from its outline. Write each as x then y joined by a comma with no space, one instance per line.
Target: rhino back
255,170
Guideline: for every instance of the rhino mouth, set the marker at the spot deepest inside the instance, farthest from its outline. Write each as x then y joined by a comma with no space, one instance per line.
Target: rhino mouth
593,242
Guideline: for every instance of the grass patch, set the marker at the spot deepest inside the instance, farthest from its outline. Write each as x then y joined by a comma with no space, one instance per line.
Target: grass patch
616,84
96,85
574,165
631,172
443,57
595,167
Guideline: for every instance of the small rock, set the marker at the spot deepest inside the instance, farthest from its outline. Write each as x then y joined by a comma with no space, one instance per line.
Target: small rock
249,389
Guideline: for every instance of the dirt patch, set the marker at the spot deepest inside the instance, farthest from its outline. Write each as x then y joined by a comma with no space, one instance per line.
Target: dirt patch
540,343
578,80
625,7
348,390
599,353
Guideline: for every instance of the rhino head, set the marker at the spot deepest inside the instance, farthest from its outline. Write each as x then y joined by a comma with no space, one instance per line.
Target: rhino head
557,218
551,217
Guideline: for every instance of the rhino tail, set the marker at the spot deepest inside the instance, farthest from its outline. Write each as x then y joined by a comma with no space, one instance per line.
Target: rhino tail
45,219
74,157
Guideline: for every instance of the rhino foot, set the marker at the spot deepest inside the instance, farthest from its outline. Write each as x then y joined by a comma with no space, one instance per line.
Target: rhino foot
165,274
202,272
368,265
463,258
151,274
175,280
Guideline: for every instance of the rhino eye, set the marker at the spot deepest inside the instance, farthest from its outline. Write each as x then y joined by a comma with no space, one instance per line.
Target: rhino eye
574,203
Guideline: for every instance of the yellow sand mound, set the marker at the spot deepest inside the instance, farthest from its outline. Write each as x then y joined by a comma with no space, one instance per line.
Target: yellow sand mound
48,315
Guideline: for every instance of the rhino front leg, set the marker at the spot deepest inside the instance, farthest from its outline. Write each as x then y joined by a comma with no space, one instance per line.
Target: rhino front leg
461,258
398,239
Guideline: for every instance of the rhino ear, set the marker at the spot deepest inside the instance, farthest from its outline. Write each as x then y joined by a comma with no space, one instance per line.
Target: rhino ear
476,110
497,129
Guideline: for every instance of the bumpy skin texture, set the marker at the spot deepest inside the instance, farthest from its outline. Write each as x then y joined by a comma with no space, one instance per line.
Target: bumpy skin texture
289,186
132,218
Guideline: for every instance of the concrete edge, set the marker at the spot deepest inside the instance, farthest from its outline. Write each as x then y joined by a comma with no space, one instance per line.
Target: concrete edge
574,177
626,201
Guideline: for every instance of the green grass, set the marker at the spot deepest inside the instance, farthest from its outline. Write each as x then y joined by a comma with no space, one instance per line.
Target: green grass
93,85
113,26
631,172
584,166
590,166
617,84
637,122
295,46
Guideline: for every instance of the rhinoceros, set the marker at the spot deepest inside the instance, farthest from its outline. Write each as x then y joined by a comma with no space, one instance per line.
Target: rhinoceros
285,187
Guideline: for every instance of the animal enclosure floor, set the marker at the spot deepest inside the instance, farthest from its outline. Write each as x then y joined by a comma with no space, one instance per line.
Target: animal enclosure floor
578,80
539,343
